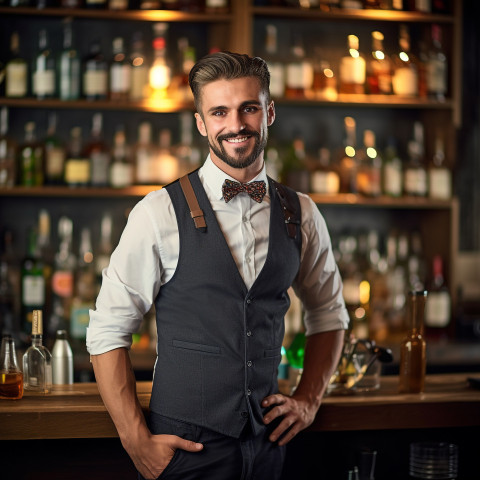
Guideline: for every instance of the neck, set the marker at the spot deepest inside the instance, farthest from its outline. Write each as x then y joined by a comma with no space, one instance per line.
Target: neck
242,175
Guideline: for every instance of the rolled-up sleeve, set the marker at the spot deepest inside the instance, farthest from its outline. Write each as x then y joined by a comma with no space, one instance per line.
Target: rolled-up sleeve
318,284
129,285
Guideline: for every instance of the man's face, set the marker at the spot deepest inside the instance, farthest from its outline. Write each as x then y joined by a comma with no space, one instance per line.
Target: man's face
235,118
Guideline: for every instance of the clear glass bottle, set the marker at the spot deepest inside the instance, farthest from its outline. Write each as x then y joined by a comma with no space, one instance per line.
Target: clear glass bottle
16,71
437,66
95,74
274,62
139,72
8,152
439,175
62,360
160,73
11,377
167,166
298,71
392,175
352,70
121,168
120,71
44,70
37,360
69,66
415,172
413,360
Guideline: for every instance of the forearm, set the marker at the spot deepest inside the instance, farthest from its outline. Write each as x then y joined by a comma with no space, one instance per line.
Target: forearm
322,353
117,386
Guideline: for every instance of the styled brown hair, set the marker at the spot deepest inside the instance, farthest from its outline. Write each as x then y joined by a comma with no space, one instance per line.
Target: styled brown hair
228,66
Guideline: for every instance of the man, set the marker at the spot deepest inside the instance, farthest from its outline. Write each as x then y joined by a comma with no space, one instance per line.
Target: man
218,274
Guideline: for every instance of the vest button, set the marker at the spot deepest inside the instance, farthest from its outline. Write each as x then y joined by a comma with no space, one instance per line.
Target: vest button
249,392
248,300
244,414
249,333
249,363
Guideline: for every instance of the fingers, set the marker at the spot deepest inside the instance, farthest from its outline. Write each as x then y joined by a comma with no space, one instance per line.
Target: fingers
188,445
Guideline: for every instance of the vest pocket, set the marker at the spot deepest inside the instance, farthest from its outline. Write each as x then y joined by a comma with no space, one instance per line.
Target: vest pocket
272,352
199,347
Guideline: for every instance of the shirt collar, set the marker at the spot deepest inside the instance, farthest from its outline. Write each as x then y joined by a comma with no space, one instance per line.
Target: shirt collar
212,178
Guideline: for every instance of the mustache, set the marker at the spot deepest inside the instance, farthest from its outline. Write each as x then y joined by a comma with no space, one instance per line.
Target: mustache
226,136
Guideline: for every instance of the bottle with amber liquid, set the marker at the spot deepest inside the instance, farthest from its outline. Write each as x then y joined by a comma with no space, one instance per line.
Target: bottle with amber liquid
11,377
413,361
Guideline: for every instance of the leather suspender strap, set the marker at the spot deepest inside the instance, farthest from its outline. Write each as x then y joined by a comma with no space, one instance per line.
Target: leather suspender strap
195,211
291,220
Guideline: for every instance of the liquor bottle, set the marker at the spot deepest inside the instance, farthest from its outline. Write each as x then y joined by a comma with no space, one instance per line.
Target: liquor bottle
216,6
62,360
145,155
95,74
379,68
298,71
166,165
347,161
413,360
139,70
295,172
325,178
392,175
33,285
37,360
121,169
438,308
86,289
96,4
8,153
160,73
120,72
118,4
46,253
69,66
188,154
63,277
439,175
369,170
44,70
16,71
405,67
54,154
415,173
98,154
276,66
437,68
77,164
324,79
11,377
352,70
105,246
185,62
31,158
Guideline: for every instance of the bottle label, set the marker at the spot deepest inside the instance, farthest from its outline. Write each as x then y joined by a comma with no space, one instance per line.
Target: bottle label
437,309
77,171
62,283
437,77
277,79
99,164
416,181
33,290
393,179
325,182
120,79
139,83
299,75
55,157
352,70
121,175
16,80
95,82
405,81
44,82
440,183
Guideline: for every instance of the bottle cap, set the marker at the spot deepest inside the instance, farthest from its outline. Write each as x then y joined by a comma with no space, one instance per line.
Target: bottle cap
37,322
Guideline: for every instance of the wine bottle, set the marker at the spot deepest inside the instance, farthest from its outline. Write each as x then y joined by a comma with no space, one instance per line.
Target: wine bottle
95,74
37,360
31,156
415,172
98,154
439,175
413,360
139,70
120,72
69,66
77,164
54,154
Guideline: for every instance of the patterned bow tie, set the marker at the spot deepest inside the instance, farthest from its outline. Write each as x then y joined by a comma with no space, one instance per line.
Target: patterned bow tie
256,190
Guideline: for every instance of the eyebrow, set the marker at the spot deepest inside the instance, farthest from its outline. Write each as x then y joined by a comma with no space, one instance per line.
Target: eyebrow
242,105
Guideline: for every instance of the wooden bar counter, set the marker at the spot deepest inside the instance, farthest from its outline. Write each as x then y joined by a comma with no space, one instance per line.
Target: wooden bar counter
72,412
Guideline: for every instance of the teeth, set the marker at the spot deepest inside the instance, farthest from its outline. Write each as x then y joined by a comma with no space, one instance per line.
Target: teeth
237,140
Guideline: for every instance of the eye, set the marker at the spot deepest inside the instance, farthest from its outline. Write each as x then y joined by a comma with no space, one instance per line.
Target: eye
218,113
251,109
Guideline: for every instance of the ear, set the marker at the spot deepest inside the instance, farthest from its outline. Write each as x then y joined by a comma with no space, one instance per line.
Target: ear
200,125
270,113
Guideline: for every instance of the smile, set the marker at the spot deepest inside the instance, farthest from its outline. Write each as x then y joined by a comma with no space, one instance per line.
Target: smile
237,140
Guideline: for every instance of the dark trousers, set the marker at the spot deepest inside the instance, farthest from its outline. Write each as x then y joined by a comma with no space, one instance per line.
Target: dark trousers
250,457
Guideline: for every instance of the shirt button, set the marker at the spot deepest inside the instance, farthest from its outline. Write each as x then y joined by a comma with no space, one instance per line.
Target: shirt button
249,363
249,333
244,414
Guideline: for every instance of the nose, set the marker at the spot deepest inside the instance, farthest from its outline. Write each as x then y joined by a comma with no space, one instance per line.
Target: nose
236,122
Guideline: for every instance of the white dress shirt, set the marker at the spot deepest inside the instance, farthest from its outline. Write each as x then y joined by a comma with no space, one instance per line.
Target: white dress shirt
147,253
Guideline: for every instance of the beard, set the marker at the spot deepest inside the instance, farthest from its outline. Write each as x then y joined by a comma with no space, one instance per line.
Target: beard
242,160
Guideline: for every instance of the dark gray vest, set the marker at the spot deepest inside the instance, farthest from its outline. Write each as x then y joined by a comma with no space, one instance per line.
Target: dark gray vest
219,344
